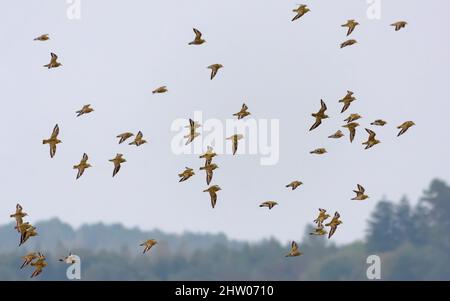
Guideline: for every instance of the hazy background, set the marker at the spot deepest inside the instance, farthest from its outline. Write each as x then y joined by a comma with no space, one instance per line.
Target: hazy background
119,51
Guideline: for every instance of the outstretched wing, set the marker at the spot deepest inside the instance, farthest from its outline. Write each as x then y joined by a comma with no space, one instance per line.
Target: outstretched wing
371,133
198,34
55,132
361,189
209,175
323,106
213,195
294,247
316,123
116,168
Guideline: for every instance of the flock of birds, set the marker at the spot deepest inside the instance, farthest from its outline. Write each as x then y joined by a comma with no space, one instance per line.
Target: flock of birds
26,230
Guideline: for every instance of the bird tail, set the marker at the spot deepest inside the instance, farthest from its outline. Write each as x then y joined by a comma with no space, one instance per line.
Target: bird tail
45,141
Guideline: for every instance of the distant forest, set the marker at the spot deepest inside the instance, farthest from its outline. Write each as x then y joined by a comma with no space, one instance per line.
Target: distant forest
413,243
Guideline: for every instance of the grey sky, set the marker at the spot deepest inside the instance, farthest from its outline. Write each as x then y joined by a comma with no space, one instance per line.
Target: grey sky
120,50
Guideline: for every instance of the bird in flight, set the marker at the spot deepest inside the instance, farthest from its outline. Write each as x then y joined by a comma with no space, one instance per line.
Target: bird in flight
18,215
42,37
294,250
371,141
294,184
348,43
192,133
333,224
148,244
209,171
323,215
347,100
404,127
319,115
28,258
300,10
159,90
319,151
186,174
70,259
38,265
399,25
351,24
118,160
198,38
352,128
86,109
379,122
53,61
352,117
208,155
243,112
360,196
124,136
337,135
26,231
82,165
138,140
269,204
53,141
214,68
234,139
213,194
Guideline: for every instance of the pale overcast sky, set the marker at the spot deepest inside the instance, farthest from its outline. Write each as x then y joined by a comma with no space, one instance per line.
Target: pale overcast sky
119,51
